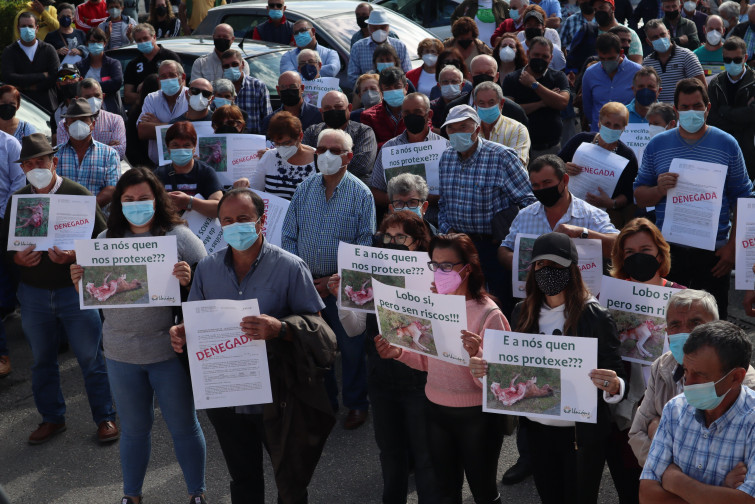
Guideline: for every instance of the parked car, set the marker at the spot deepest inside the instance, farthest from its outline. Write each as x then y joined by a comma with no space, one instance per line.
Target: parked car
35,115
435,15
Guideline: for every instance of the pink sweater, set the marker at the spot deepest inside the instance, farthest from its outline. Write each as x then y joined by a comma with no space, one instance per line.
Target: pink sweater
451,384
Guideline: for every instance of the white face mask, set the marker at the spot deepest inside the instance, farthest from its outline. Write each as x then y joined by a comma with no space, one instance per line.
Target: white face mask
328,163
654,130
380,36
430,59
95,104
713,37
690,6
507,54
79,130
198,102
287,151
39,177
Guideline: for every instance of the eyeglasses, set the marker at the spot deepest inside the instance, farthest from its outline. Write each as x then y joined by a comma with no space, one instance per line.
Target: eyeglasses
195,91
444,266
411,203
229,65
334,151
736,60
65,78
398,239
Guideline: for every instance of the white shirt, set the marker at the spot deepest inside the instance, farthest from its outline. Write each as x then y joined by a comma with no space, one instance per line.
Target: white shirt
210,67
30,51
426,82
550,34
486,29
156,104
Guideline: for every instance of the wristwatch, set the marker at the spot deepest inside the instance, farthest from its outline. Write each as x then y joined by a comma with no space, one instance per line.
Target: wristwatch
584,234
284,329
534,85
190,204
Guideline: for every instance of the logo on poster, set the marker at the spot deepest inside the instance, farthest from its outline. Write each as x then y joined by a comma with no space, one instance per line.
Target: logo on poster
574,411
158,297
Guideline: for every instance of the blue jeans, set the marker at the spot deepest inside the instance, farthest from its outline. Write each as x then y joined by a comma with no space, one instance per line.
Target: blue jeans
134,388
353,363
41,312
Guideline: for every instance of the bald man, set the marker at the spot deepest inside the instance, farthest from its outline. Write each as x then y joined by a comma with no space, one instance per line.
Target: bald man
209,66
199,96
304,37
290,91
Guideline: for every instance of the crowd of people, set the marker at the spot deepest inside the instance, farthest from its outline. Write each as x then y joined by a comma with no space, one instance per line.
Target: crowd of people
513,95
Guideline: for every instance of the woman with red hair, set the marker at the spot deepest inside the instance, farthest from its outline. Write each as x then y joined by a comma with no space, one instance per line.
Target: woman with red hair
10,102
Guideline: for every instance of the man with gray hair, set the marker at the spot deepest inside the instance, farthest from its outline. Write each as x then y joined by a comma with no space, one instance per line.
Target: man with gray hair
146,63
308,64
304,37
251,94
329,207
290,91
410,192
729,12
496,127
209,66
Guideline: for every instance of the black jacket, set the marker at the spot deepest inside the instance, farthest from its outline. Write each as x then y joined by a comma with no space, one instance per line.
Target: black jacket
684,27
29,76
740,31
595,322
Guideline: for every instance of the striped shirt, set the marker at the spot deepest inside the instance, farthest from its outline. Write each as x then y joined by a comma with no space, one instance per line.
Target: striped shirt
314,225
108,128
254,99
473,190
360,61
100,168
705,453
682,64
277,176
378,173
514,135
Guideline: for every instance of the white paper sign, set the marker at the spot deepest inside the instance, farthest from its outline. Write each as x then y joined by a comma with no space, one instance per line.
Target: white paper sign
128,272
540,376
639,311
420,158
590,263
358,265
693,207
315,89
227,368
600,169
275,212
207,229
745,251
163,155
636,136
48,220
231,156
422,322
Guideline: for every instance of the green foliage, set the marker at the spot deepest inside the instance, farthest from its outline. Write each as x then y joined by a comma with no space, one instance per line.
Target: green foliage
8,11
503,373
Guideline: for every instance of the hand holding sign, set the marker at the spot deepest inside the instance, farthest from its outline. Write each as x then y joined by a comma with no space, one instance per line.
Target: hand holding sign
385,350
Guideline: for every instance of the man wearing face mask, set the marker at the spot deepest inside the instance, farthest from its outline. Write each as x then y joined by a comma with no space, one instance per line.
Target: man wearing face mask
210,66
488,99
672,62
68,83
710,53
361,52
691,12
575,22
329,207
660,117
731,94
308,64
534,26
646,84
711,422
304,37
336,109
146,63
276,28
119,27
47,17
48,300
252,95
694,140
386,118
200,95
746,31
409,192
362,13
90,14
610,81
290,91
683,31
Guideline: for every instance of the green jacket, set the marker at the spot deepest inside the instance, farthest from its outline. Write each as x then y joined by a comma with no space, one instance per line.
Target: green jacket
468,8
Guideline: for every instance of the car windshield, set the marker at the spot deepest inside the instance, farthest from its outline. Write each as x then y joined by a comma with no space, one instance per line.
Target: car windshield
266,68
439,15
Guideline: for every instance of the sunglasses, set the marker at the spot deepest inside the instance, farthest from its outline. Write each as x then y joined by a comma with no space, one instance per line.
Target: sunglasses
195,91
736,60
65,78
444,266
275,5
335,152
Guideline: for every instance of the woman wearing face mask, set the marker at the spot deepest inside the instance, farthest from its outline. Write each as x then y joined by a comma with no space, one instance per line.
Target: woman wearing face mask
619,205
140,361
463,440
366,94
281,170
67,40
195,177
385,56
10,102
567,457
513,24
104,69
487,15
450,57
465,40
228,119
424,78
162,18
510,56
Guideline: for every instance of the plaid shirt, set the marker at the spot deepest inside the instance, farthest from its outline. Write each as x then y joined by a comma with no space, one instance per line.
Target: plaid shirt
365,146
472,191
705,454
570,27
108,128
314,226
360,61
254,98
100,167
378,173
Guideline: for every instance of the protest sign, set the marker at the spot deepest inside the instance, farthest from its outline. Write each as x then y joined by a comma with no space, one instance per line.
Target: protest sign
275,213
693,207
639,311
315,89
745,251
358,266
207,229
636,136
128,272
232,156
600,169
540,376
227,368
590,263
422,322
49,220
163,154
420,158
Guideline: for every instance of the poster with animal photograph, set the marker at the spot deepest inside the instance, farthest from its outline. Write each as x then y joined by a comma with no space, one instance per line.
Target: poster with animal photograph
49,220
420,158
541,376
639,311
315,89
358,265
128,272
422,322
163,153
745,248
232,156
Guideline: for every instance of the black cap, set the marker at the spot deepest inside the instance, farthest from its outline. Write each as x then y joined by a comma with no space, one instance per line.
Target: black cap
68,69
533,14
556,247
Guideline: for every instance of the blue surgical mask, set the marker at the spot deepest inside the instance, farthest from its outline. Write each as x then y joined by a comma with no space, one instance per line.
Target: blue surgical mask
145,47
645,96
610,135
303,39
170,87
232,74
676,345
733,69
138,213
461,142
394,97
450,91
692,120
95,48
417,210
382,65
219,102
27,34
610,66
662,44
240,235
514,14
181,157
489,115
275,13
703,395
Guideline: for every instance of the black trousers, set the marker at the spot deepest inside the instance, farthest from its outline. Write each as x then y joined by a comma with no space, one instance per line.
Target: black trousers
465,441
624,467
691,268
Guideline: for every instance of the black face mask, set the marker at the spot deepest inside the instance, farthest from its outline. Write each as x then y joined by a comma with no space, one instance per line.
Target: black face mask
226,129
530,33
548,196
587,8
465,43
625,50
161,10
603,18
538,65
68,91
7,111
309,72
362,21
414,123
221,44
290,97
551,280
334,118
641,267
479,79
672,14
65,21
